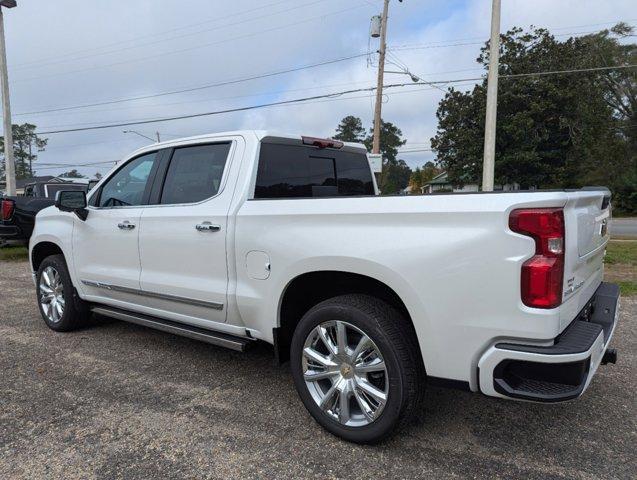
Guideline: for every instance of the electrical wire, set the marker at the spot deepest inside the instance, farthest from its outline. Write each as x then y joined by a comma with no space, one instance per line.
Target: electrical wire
197,88
195,47
461,42
168,39
315,97
175,29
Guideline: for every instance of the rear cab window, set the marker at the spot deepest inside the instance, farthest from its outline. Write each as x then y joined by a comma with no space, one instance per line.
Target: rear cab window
291,169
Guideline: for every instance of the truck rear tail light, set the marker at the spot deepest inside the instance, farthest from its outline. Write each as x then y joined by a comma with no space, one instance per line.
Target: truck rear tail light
7,208
542,274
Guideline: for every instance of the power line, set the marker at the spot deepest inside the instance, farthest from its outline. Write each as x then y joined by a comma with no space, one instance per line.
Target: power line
52,165
194,89
240,80
96,165
168,39
199,46
121,42
462,42
215,99
315,97
416,150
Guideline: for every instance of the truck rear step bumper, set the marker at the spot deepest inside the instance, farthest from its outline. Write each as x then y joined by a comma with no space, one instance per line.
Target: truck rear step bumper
561,371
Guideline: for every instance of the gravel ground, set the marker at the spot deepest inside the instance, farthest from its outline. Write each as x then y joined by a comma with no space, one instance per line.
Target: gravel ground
121,401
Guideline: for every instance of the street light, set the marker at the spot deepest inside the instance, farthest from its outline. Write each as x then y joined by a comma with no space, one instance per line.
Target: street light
6,105
141,135
415,78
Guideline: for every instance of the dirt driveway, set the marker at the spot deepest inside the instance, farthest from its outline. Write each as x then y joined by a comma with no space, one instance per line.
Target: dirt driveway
121,401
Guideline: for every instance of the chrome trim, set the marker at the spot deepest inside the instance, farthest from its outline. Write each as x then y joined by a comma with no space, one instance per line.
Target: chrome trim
174,144
221,339
125,225
207,227
160,296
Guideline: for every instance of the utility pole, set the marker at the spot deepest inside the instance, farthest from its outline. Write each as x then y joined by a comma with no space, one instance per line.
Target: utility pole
379,86
488,165
9,164
30,157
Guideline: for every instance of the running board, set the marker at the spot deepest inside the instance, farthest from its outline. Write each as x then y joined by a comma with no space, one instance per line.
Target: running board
215,338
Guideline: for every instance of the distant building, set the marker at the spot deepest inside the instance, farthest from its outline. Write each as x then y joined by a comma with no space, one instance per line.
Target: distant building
441,183
21,183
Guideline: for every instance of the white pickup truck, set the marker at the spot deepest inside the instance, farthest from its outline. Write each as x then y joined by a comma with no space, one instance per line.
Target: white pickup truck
249,236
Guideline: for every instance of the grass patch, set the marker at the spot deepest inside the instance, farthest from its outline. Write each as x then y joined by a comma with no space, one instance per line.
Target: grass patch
621,252
628,289
14,254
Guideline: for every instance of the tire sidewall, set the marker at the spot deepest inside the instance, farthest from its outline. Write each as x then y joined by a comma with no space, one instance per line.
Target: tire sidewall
390,416
66,322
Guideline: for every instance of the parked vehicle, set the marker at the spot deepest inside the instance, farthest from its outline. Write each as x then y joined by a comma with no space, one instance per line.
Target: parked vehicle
18,212
239,237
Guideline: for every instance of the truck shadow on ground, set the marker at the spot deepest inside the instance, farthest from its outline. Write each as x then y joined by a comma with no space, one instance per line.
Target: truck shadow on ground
450,419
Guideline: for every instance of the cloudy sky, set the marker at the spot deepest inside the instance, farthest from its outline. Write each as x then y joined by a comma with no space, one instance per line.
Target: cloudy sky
68,53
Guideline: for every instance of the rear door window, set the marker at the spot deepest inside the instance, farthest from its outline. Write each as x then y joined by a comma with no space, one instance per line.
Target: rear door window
194,173
296,171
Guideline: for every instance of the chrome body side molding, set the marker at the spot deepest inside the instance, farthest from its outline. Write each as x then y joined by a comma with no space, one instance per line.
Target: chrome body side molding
161,296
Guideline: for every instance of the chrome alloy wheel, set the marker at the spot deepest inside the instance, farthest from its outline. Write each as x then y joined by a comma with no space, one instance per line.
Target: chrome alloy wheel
51,292
345,373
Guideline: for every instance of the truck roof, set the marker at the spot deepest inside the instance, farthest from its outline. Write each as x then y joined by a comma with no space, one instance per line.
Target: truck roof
259,134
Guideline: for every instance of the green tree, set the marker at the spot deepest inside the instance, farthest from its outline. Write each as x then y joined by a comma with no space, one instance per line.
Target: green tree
395,177
420,176
26,145
553,131
396,173
72,174
350,130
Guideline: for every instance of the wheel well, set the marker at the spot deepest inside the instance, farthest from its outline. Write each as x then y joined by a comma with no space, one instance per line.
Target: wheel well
41,251
308,289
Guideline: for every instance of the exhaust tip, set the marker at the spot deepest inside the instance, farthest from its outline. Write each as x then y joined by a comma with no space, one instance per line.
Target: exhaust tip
610,356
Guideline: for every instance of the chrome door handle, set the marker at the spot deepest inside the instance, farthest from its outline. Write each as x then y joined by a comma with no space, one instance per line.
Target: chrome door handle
207,227
125,225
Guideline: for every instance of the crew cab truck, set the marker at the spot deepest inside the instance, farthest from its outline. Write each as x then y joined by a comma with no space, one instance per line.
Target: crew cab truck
252,236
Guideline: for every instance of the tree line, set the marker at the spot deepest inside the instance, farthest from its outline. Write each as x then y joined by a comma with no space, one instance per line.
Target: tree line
565,130
26,146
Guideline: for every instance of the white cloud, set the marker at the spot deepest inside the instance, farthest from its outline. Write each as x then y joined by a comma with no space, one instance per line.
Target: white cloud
243,45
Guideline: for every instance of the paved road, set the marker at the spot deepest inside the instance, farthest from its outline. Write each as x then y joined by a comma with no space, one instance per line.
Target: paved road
624,227
121,401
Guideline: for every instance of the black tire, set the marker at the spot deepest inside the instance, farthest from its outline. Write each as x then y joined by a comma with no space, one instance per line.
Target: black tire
396,339
75,311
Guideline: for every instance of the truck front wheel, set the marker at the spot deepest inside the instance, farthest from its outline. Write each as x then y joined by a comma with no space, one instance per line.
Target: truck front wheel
60,307
357,367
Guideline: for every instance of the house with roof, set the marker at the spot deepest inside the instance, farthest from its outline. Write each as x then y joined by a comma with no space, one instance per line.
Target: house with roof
441,183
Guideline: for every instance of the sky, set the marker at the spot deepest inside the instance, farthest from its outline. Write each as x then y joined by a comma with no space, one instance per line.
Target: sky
72,52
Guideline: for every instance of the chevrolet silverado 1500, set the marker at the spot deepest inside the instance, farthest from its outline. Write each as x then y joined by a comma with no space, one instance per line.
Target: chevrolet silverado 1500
253,236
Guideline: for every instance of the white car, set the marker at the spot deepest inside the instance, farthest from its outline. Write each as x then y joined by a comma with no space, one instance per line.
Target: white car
249,236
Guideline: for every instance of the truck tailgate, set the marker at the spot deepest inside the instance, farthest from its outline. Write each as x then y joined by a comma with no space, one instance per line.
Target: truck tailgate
586,216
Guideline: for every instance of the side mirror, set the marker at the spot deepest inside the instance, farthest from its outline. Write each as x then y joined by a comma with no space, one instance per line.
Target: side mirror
72,201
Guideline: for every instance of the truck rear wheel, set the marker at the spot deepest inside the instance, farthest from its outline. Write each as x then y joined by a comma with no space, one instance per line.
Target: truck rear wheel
60,307
357,368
